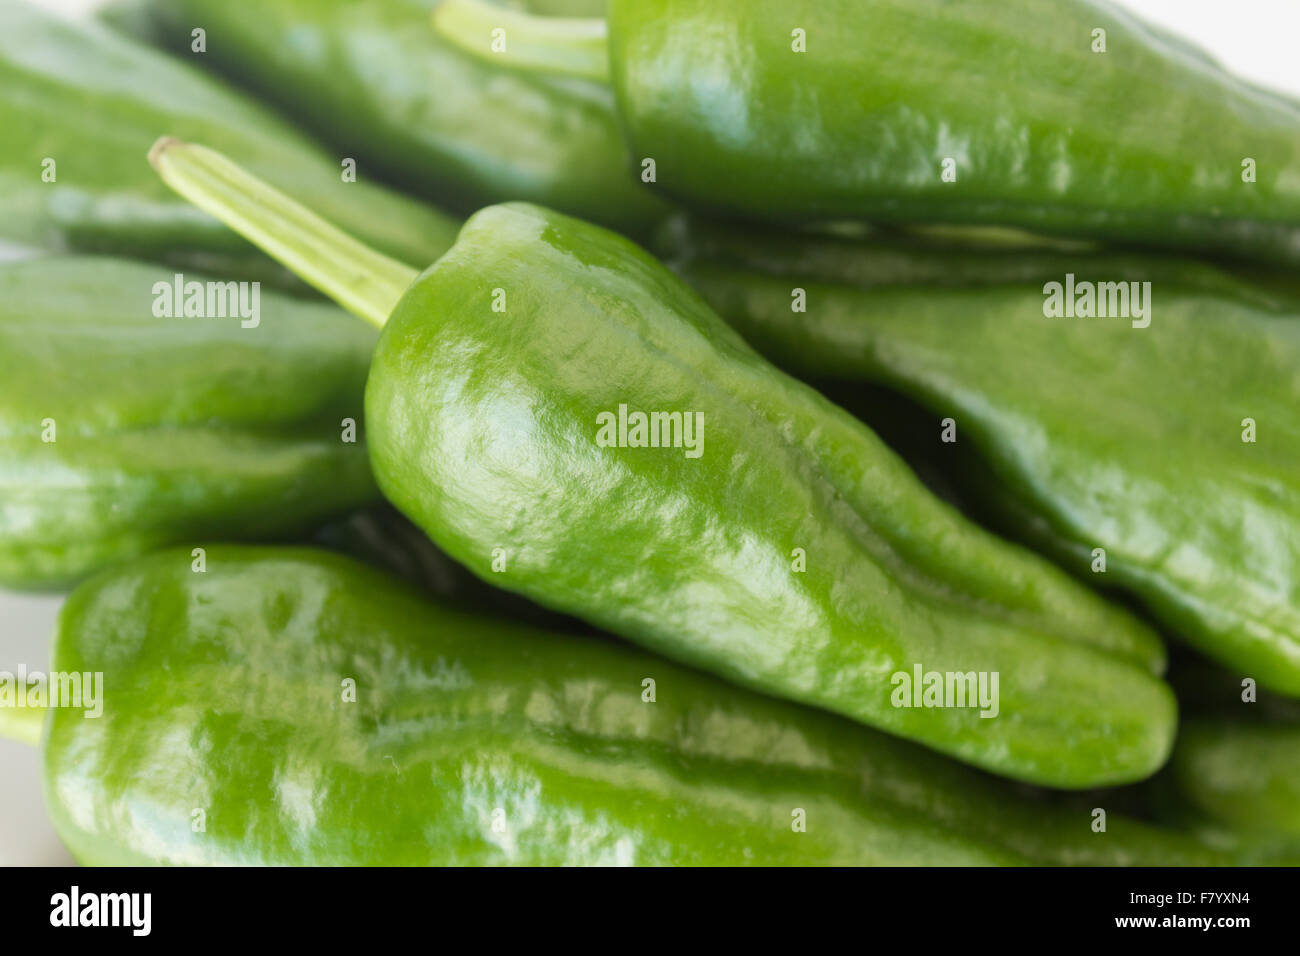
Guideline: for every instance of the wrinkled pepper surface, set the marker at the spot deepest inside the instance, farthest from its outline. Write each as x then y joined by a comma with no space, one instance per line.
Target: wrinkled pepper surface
932,111
80,106
1155,452
122,430
375,81
389,730
783,546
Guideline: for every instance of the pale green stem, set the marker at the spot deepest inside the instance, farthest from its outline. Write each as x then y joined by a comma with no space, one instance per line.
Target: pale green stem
22,724
569,46
351,273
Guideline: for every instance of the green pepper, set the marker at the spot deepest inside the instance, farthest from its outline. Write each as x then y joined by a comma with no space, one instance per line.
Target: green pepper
1237,760
1245,776
122,430
389,730
373,79
1069,117
1234,778
1163,459
80,105
770,537
867,257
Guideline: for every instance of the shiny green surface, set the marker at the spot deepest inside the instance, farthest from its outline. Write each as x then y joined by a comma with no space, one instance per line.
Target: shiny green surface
1142,142
483,431
374,80
1094,434
94,102
167,429
224,693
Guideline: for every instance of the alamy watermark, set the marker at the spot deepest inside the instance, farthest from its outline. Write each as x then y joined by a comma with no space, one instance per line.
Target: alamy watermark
64,689
133,911
923,688
208,300
626,429
1102,300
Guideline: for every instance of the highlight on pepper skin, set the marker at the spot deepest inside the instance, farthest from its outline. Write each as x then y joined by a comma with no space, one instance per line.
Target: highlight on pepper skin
651,433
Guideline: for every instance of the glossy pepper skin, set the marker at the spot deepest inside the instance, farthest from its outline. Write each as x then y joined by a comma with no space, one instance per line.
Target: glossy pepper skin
784,547
1090,433
93,101
1144,142
487,439
375,81
164,429
475,741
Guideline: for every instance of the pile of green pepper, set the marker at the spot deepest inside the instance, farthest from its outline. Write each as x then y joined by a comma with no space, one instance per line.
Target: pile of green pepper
900,476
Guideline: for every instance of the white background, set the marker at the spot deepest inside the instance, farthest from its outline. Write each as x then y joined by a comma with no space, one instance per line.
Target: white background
1256,38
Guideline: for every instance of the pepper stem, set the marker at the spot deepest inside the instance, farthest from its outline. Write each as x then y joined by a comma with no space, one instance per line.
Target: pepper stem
355,276
569,46
22,724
